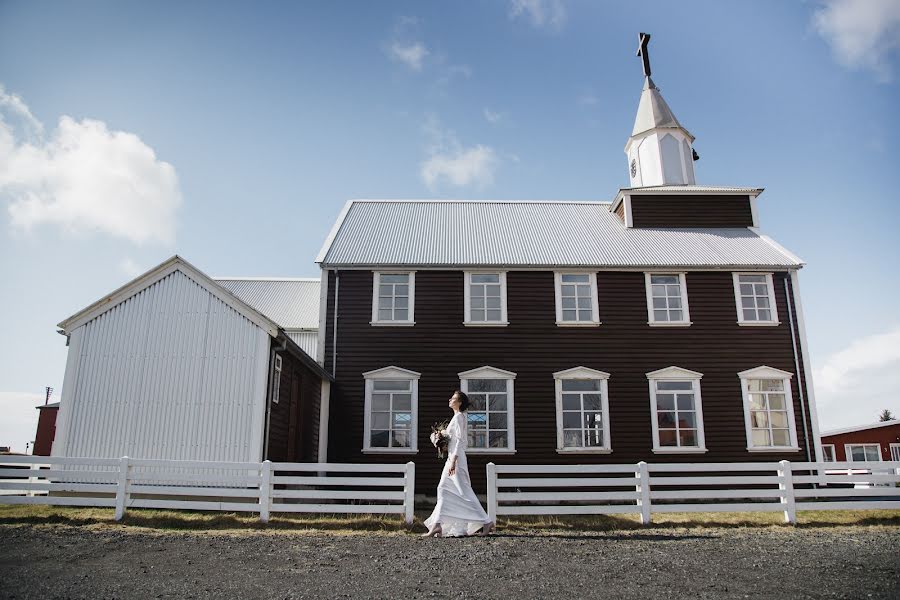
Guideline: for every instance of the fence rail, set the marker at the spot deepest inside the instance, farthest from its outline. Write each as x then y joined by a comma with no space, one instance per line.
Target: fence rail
262,488
645,489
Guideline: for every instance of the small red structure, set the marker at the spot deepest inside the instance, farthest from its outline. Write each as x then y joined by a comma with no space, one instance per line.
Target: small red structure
46,429
869,443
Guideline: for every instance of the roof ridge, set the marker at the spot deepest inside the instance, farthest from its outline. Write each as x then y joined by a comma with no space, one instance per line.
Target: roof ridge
306,279
453,201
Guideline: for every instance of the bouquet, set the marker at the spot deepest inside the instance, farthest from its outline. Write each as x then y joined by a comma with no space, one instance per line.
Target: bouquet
439,438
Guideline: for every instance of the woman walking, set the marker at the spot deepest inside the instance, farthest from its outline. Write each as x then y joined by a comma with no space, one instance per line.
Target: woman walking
458,511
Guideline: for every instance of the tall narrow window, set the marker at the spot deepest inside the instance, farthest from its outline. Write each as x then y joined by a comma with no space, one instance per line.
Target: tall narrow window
667,299
490,414
768,409
393,298
582,410
863,452
754,295
676,410
576,299
276,380
828,452
485,300
391,410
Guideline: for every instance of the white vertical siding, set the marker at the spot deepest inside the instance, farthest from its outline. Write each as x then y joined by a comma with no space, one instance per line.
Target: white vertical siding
173,372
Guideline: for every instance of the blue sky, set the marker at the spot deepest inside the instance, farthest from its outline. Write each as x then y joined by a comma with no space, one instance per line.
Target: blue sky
233,134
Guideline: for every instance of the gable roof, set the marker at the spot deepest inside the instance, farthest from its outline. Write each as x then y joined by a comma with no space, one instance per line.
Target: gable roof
454,233
292,303
860,428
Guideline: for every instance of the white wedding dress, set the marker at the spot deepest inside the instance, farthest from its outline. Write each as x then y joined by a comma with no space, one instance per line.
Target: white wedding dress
458,510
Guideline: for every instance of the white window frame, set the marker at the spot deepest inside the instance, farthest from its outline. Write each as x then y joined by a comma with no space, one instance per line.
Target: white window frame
677,374
895,452
467,315
376,282
488,372
833,453
276,378
685,312
583,373
391,373
770,283
595,307
849,455
765,372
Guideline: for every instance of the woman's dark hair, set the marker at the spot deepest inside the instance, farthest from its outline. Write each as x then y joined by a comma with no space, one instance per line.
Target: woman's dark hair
463,400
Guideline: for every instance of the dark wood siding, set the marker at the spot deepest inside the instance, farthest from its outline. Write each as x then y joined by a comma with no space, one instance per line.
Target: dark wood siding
532,346
691,211
620,212
293,433
46,431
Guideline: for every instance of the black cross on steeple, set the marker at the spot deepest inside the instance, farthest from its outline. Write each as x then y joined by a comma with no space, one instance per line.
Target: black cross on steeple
644,39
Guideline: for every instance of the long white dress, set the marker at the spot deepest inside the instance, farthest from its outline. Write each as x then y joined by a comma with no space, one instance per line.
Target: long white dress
457,509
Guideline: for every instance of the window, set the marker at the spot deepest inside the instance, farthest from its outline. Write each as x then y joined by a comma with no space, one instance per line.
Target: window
828,452
576,299
582,411
676,411
490,414
895,452
863,452
276,380
392,397
485,302
667,299
754,295
768,409
393,298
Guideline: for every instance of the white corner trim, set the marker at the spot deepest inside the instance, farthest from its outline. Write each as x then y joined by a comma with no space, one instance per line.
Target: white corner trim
629,216
326,246
324,411
807,368
322,332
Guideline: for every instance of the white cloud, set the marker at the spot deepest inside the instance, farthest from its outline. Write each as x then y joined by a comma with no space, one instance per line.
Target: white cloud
493,117
448,161
854,384
543,14
862,33
86,178
412,55
20,416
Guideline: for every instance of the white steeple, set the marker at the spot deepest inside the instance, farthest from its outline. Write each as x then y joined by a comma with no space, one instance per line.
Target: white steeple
659,150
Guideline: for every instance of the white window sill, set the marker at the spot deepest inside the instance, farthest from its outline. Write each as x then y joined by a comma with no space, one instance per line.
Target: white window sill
490,451
759,323
584,450
775,449
679,450
670,323
389,451
578,323
485,323
392,323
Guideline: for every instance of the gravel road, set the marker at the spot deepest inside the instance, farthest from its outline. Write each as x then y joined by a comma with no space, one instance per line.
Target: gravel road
72,562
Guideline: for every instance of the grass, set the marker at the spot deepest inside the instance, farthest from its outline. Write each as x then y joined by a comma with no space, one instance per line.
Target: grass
195,521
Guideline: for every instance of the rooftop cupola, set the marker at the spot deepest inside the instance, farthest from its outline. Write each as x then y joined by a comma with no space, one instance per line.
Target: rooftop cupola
660,149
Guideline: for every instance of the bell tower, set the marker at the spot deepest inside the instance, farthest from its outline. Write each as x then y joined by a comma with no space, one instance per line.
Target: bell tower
660,150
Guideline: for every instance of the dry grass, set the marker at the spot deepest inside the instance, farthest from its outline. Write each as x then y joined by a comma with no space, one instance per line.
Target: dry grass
236,523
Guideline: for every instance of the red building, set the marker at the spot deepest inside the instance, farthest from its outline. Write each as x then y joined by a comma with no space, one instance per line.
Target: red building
870,443
46,429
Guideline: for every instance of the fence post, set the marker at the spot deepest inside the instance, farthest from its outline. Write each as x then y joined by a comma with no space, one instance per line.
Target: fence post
122,487
265,491
643,488
409,487
33,479
787,492
492,491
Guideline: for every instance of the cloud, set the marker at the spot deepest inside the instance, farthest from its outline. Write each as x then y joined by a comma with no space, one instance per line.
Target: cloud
405,45
85,178
412,55
493,117
449,162
862,33
543,14
20,416
854,384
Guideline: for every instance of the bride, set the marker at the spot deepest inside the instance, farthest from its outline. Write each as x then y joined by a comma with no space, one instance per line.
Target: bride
458,511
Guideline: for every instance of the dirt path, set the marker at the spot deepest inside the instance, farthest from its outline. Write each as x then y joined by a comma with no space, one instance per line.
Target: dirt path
73,562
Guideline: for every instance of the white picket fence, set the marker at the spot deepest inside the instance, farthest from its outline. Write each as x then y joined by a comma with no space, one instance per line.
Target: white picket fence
264,488
645,489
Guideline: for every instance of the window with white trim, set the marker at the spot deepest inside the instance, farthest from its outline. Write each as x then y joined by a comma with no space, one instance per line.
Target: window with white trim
895,452
768,409
490,413
276,379
676,410
485,298
576,299
393,298
828,452
582,410
754,295
391,407
863,452
667,302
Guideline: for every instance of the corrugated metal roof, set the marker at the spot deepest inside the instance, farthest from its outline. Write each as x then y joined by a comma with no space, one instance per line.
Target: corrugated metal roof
292,303
535,233
694,189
